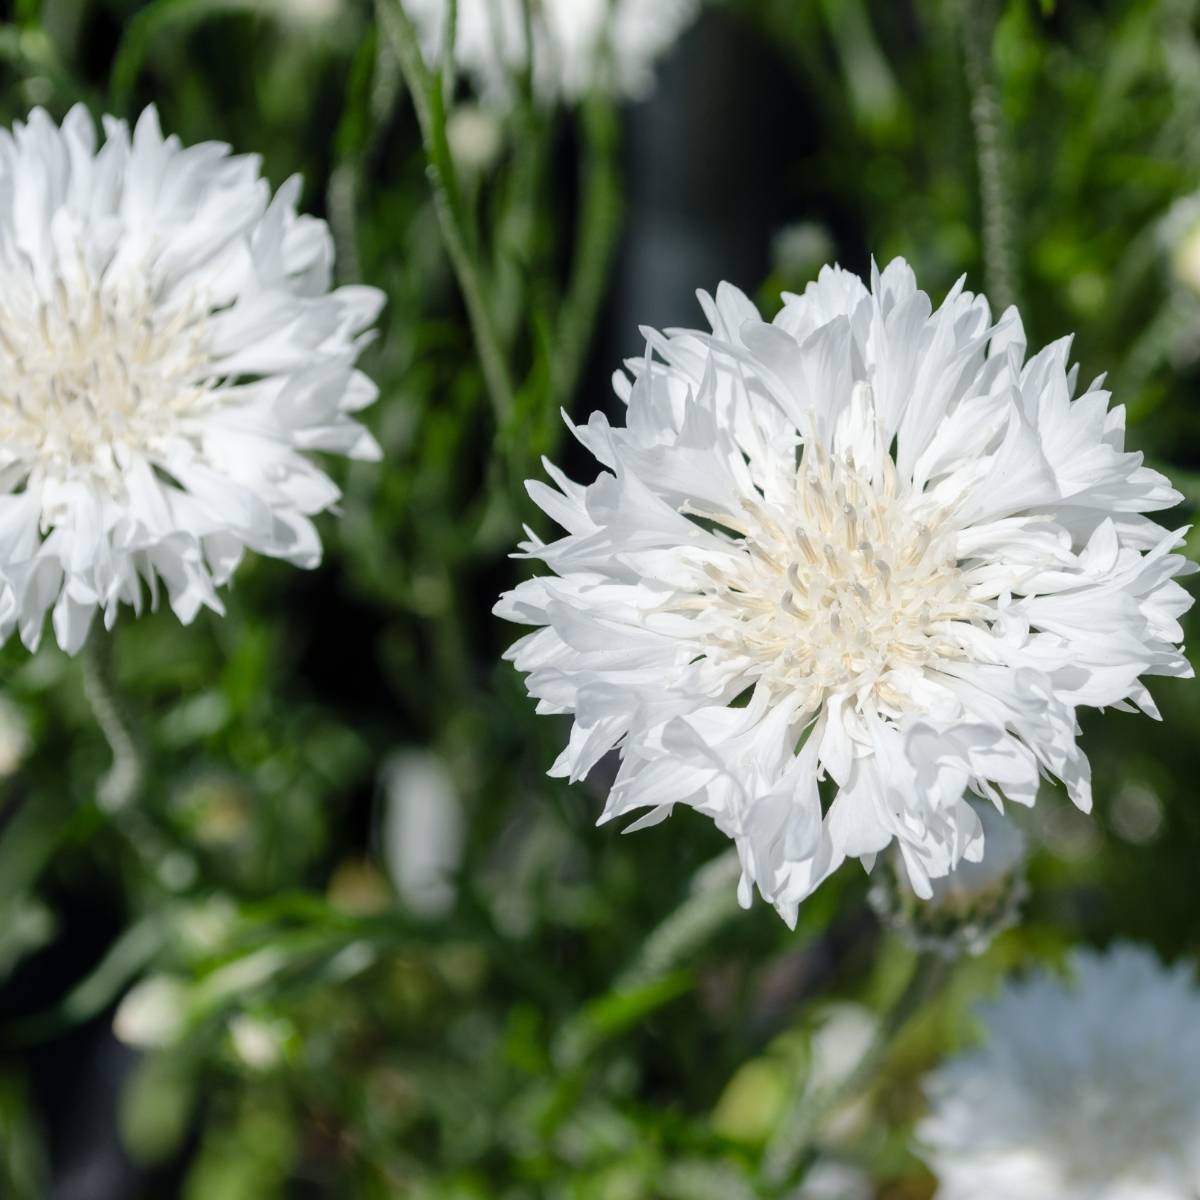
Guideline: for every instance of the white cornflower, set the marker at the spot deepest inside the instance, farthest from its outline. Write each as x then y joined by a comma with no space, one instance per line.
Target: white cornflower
578,45
1087,1090
169,353
867,543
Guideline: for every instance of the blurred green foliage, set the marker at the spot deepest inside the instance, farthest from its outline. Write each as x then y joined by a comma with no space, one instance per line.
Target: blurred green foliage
588,1017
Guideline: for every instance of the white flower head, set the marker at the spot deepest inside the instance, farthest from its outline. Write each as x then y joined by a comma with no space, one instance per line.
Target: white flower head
578,45
1087,1090
170,351
869,543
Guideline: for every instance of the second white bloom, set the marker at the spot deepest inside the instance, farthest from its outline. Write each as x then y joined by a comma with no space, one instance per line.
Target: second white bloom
867,542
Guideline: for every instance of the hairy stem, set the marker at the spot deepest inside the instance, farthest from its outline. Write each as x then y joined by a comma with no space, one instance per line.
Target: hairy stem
599,221
456,228
123,780
999,259
791,1149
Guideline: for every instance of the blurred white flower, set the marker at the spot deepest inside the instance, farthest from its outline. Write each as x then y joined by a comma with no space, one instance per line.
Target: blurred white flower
423,831
578,45
14,737
151,1014
866,542
171,352
1084,1090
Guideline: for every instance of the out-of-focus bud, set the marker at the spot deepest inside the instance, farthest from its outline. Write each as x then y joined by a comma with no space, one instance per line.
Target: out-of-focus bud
14,737
1137,814
475,137
151,1015
258,1042
971,905
203,927
423,832
799,251
1180,232
217,807
359,889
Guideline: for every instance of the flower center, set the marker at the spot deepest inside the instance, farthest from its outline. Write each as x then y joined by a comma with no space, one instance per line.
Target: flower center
97,370
848,586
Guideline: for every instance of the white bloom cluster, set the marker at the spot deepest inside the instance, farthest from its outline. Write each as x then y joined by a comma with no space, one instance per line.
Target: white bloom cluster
1088,1090
869,542
170,350
578,45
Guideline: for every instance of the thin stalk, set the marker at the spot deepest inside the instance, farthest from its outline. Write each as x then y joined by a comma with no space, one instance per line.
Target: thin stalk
792,1147
360,133
527,97
456,228
123,780
596,236
518,227
999,259
449,38
519,223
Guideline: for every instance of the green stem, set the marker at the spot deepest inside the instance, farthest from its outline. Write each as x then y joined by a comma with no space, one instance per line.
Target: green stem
448,202
791,1149
527,96
999,261
449,38
596,238
123,780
